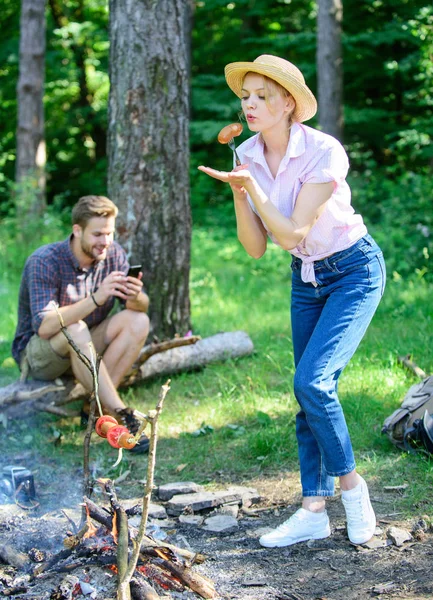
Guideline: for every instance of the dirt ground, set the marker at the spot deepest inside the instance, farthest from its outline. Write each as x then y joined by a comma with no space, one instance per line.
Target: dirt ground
331,569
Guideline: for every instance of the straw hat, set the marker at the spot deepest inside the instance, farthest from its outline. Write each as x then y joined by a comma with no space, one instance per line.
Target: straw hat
283,72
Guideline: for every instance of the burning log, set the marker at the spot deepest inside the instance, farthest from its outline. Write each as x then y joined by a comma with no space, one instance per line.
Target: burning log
141,590
196,582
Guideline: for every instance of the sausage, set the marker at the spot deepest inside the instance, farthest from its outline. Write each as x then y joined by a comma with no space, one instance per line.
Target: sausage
228,132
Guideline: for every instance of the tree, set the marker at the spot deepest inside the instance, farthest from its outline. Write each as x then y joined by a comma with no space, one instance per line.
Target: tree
31,154
148,151
329,67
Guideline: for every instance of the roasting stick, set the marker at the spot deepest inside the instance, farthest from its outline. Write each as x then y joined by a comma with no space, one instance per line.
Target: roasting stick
123,583
93,365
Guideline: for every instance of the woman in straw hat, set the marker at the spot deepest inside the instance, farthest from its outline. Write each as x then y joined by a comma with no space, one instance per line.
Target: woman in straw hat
291,187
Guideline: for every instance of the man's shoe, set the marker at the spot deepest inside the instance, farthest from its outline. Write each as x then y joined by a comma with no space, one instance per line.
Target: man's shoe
302,526
361,520
127,417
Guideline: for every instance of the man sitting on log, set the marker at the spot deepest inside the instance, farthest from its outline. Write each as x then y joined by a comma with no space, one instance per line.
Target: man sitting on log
80,278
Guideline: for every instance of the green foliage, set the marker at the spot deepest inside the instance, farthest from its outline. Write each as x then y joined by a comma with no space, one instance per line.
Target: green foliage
388,85
398,212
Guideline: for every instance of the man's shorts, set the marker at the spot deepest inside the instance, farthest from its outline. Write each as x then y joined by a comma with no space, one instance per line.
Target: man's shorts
43,362
46,364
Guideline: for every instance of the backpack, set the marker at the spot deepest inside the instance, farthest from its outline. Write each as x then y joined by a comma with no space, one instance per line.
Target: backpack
410,427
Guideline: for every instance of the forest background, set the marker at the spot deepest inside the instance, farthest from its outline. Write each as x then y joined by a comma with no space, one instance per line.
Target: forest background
388,101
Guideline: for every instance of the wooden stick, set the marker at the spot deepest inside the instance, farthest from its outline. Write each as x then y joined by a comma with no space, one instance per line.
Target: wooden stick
120,521
153,419
54,410
152,349
409,364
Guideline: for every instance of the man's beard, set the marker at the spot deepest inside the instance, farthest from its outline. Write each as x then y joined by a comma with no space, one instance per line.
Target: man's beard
88,251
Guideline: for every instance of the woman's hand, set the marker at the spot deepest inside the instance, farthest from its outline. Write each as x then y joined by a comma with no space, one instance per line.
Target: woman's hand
237,179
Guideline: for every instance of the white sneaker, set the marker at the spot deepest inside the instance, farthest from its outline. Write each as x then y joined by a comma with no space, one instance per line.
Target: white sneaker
303,525
361,520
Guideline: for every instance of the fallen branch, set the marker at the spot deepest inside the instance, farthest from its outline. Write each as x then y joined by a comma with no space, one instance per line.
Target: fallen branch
409,364
151,349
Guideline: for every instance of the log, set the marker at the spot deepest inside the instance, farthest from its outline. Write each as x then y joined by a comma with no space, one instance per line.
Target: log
167,358
141,590
199,584
216,348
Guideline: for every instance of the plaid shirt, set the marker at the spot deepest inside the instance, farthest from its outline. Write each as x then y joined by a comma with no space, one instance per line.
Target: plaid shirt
52,273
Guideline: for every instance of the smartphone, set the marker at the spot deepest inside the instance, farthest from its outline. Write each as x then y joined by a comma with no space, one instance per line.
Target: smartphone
134,270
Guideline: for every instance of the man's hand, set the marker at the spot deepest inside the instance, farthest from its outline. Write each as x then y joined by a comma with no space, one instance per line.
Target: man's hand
134,286
115,284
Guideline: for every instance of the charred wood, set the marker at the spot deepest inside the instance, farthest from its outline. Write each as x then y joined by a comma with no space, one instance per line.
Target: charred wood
13,591
141,590
199,584
10,556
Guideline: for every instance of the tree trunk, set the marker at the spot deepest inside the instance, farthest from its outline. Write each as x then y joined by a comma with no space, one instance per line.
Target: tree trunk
148,152
329,67
31,153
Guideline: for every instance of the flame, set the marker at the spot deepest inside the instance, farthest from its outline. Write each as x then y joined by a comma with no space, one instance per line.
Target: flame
91,529
164,580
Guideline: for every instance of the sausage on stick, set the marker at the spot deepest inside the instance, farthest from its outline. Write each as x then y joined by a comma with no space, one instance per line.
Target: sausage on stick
227,135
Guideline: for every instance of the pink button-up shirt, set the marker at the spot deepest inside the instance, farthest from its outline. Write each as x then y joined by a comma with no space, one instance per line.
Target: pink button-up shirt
312,157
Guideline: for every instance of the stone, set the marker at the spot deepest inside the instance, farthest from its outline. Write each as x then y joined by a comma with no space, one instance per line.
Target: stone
229,509
248,495
168,490
220,523
200,501
377,542
157,512
259,531
195,520
399,536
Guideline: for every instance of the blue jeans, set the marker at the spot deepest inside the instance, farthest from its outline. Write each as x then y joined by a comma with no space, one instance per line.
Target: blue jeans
328,323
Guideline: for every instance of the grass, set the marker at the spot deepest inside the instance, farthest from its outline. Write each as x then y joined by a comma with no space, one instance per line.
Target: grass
234,421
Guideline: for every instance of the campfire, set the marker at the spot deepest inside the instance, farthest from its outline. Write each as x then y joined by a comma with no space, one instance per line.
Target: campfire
139,563
95,556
